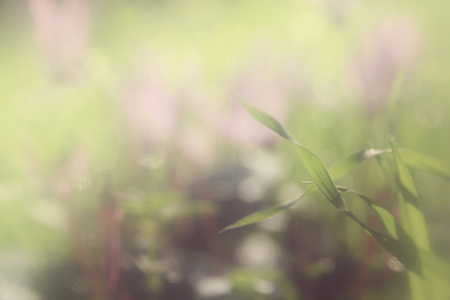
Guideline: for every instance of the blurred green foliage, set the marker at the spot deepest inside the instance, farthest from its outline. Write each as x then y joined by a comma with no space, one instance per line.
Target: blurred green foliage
68,115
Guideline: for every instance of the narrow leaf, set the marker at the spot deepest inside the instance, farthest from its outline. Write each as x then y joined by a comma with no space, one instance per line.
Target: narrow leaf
314,166
269,122
263,214
344,166
412,217
386,217
434,270
404,246
426,163
320,176
338,170
413,221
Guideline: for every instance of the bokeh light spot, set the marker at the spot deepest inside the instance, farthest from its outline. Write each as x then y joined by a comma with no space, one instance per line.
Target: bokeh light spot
250,190
327,265
264,286
257,251
213,286
394,264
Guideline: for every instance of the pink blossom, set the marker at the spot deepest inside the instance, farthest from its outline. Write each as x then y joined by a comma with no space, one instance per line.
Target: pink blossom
267,84
390,48
196,146
61,28
150,112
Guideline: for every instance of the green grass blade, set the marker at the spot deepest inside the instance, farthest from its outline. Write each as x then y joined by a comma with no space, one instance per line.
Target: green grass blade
269,122
410,245
406,253
429,270
314,166
321,178
426,163
344,166
338,170
437,276
385,216
412,217
413,221
430,274
263,214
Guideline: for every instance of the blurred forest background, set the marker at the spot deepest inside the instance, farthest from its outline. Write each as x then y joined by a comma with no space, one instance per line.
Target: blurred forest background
124,149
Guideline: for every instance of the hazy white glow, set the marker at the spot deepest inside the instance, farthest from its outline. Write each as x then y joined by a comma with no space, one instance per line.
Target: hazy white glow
213,286
394,264
258,251
251,190
264,286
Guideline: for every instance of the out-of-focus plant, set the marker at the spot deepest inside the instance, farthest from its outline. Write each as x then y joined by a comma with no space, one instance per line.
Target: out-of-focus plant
61,29
185,159
406,239
386,52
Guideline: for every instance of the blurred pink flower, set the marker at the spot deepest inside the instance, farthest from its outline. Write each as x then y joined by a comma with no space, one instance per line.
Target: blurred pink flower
150,112
239,127
61,28
196,146
389,49
269,85
175,120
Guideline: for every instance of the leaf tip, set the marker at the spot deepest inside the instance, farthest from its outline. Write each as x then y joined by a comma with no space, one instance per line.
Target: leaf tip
229,227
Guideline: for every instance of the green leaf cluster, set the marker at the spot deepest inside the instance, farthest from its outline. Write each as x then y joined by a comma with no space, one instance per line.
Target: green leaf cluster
428,274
